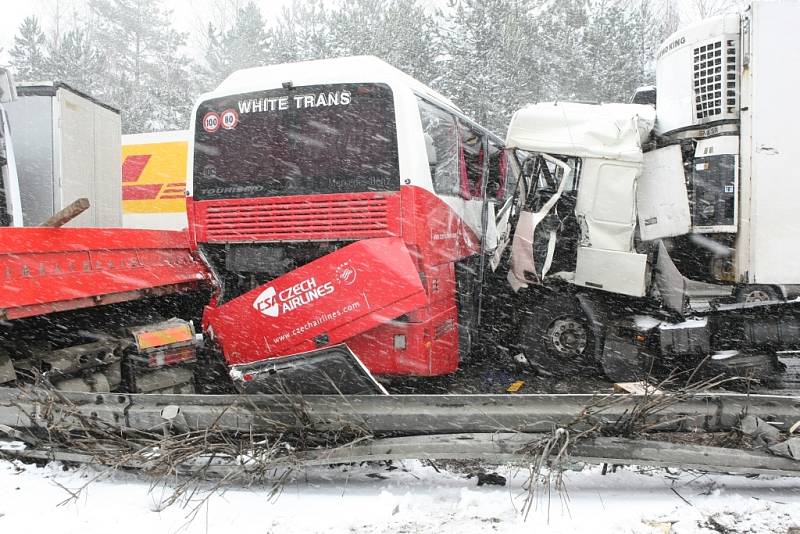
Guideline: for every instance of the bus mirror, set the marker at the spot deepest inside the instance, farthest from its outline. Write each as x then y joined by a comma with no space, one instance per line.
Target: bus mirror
431,150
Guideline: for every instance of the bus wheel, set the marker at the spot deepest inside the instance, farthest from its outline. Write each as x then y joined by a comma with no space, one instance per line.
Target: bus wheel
557,339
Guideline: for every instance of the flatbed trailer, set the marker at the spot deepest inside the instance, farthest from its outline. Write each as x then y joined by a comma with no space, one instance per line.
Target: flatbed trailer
99,309
47,270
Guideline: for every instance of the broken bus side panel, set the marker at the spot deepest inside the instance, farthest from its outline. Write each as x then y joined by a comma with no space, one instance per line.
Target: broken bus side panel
327,301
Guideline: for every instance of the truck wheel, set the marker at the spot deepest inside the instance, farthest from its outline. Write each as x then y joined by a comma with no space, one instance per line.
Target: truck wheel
757,293
557,339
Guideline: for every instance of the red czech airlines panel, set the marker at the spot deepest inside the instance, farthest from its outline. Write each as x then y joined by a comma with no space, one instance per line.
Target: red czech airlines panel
324,302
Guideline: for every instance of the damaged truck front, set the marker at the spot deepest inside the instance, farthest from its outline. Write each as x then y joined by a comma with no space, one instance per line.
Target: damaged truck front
667,235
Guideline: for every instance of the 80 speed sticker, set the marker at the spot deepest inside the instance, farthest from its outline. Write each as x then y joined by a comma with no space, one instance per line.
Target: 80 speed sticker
229,119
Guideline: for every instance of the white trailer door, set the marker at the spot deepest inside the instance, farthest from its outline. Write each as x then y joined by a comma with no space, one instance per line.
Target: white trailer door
108,168
75,141
9,173
771,255
607,203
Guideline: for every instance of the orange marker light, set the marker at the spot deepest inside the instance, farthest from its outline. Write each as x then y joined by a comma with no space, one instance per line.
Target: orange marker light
157,338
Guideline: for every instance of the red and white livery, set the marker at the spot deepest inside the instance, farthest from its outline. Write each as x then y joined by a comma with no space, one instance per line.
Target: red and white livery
347,203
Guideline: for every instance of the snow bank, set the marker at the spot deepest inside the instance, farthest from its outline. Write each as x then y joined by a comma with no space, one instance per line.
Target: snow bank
411,498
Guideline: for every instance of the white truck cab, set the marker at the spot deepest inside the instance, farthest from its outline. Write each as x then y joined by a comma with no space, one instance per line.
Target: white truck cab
580,215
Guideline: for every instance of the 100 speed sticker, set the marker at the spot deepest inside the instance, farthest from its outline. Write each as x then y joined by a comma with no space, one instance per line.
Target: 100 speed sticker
211,122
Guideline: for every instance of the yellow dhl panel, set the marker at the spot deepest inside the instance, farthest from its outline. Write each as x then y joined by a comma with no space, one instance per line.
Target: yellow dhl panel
154,177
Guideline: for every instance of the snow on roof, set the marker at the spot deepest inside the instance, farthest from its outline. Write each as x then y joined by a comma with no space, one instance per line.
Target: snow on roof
354,69
51,87
613,131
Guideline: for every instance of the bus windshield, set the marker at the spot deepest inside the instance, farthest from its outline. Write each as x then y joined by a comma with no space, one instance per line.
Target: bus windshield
297,141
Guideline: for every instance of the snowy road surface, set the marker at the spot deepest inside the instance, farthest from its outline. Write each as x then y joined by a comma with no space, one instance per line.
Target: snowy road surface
411,498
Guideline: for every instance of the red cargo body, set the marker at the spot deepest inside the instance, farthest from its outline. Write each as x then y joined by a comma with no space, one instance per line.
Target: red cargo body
47,270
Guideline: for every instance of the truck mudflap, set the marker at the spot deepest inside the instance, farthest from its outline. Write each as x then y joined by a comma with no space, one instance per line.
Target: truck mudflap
323,303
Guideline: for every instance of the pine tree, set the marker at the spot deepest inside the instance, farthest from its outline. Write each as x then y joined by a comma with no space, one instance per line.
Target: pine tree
302,32
28,56
401,32
653,22
610,67
701,9
76,60
562,29
620,40
149,77
173,89
490,56
493,58
245,44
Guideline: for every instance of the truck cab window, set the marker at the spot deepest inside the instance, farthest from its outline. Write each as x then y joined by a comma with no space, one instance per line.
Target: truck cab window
501,183
441,131
574,177
472,155
545,175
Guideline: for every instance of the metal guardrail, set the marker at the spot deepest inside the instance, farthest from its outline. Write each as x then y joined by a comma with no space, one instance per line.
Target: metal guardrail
512,448
388,415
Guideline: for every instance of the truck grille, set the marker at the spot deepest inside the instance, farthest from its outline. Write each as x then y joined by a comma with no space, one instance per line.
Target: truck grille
328,217
716,77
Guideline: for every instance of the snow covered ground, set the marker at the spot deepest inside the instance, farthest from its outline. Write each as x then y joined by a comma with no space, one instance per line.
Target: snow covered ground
410,498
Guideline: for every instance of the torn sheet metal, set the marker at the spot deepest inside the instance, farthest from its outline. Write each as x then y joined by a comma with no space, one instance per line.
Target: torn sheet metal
531,262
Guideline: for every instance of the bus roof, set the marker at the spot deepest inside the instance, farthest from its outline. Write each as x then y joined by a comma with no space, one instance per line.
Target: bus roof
367,69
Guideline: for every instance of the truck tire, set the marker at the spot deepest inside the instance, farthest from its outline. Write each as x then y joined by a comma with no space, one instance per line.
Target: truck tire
757,293
556,337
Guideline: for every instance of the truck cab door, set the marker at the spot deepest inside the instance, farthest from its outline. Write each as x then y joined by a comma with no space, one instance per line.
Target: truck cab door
606,258
541,219
662,202
502,192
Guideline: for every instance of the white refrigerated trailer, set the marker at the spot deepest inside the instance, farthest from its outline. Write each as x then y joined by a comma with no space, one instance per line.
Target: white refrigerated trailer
67,147
724,92
10,210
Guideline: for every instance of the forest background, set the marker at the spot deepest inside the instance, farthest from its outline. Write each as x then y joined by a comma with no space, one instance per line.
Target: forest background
490,57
